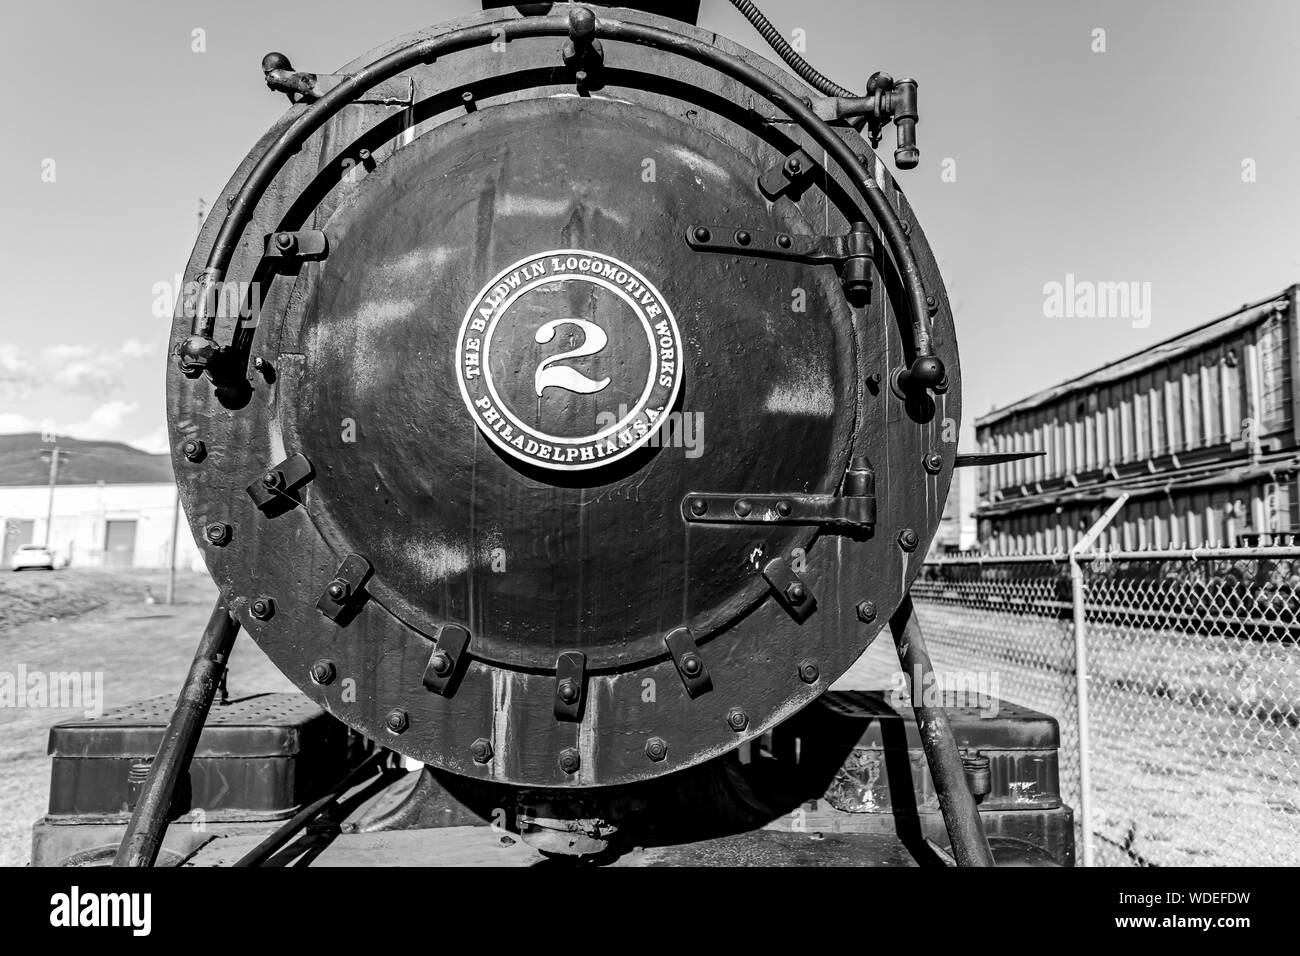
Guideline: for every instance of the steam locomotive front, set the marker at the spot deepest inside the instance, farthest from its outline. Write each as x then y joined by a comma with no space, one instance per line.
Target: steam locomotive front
591,399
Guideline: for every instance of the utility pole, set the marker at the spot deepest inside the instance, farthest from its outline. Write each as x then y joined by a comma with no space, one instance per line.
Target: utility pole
54,477
200,215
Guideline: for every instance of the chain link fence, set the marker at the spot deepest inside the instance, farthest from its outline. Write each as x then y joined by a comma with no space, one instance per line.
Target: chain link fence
1191,663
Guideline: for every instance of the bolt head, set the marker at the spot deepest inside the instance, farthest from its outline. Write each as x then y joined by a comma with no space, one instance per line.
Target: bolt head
322,672
793,164
702,234
272,480
796,593
194,449
338,590
568,690
737,719
441,663
217,533
396,721
691,664
262,608
808,671
907,539
743,508
481,750
656,748
582,23
699,507
569,760
866,611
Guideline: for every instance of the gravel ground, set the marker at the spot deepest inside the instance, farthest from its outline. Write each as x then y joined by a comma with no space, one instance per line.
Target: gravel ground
97,621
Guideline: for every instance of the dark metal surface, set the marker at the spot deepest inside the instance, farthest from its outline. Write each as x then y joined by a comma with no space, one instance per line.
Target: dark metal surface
144,834
528,561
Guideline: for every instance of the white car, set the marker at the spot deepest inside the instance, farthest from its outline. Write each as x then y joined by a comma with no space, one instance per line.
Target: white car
33,556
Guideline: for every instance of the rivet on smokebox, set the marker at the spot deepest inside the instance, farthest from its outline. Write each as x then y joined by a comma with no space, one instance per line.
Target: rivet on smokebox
440,663
568,690
322,672
569,760
217,533
396,721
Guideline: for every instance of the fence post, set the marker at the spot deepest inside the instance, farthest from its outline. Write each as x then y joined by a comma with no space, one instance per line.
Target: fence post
1081,671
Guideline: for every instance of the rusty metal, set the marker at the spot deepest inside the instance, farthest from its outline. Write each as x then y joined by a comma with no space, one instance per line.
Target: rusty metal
961,817
144,834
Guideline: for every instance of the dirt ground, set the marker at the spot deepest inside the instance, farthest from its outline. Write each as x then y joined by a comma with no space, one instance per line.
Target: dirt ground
96,620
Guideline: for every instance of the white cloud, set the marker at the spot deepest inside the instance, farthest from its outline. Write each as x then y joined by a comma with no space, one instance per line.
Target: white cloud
154,442
12,423
103,422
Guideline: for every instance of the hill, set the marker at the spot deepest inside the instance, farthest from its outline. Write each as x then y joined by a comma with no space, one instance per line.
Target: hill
85,463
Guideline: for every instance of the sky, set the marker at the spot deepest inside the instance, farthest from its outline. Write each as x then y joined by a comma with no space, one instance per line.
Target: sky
1063,146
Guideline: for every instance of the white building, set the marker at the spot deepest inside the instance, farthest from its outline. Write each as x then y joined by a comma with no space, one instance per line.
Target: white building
123,524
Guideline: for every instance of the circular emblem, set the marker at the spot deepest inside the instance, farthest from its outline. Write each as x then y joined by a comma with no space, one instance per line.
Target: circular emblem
569,359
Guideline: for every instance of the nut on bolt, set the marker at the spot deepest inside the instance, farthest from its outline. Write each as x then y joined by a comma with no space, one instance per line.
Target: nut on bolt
396,721
441,663
933,462
796,593
286,241
194,450
656,748
338,590
568,690
866,611
908,540
569,760
322,672
737,719
808,671
217,533
481,750
262,608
